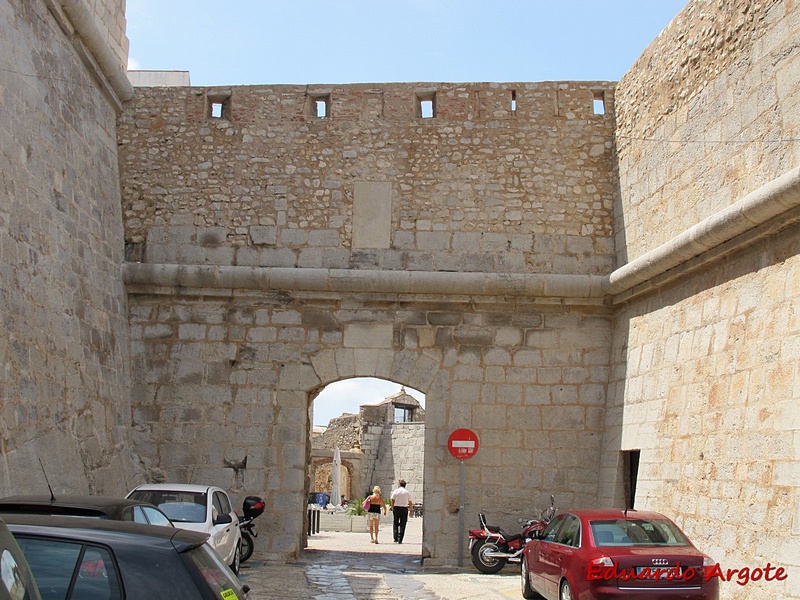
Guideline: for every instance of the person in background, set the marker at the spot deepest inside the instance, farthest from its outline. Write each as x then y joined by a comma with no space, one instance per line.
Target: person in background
374,513
401,505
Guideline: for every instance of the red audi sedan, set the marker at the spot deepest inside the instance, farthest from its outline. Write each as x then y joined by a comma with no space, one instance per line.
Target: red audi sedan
615,554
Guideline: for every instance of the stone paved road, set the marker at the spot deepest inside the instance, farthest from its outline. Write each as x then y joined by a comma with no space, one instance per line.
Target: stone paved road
346,566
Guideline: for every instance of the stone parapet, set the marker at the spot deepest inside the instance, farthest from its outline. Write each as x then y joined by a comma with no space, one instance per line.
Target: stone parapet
505,178
706,115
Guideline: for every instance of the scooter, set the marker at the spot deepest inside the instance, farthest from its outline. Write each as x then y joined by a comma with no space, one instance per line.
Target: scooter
252,507
491,547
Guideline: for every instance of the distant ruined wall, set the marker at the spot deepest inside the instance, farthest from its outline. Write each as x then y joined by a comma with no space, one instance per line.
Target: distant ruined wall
392,451
706,377
65,383
401,456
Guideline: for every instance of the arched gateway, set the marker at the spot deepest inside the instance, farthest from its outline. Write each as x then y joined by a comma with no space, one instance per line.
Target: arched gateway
228,375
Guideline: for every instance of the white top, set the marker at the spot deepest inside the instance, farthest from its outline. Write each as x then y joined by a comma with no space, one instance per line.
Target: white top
401,497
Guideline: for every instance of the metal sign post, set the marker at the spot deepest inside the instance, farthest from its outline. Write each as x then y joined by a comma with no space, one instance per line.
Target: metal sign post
461,514
463,444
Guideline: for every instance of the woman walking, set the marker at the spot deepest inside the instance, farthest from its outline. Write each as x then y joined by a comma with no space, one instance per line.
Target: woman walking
374,513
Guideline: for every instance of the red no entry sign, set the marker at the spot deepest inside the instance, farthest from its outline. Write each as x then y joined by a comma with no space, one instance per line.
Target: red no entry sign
463,444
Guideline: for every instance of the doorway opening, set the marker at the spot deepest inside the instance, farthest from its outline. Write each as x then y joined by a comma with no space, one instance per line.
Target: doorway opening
366,432
630,473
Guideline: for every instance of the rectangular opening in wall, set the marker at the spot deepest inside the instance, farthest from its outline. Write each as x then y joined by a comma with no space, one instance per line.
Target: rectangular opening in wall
630,474
513,101
219,104
426,105
426,109
599,103
403,415
320,106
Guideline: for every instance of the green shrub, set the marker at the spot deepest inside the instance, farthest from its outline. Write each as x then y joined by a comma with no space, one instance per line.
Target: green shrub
355,507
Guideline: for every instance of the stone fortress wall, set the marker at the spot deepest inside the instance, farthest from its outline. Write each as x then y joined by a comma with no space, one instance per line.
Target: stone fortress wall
699,129
393,450
64,343
281,251
541,361
706,368
402,456
570,285
479,187
108,17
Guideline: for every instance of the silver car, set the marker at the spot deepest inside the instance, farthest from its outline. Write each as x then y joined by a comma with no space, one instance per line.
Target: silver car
203,508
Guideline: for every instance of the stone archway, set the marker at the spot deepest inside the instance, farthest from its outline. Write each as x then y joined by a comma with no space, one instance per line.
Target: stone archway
225,388
377,359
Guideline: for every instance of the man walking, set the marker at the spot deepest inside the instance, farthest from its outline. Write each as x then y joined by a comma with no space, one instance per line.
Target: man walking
401,504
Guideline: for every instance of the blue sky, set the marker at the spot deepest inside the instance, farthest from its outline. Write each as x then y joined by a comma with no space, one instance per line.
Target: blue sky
230,42
237,42
348,395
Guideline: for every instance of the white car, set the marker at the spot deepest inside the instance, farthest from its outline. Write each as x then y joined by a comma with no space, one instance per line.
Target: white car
203,508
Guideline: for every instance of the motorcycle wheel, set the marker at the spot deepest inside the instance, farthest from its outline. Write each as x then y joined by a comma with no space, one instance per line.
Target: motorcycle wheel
487,564
247,546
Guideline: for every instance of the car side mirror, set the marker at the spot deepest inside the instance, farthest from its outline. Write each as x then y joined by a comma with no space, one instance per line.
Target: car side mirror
223,520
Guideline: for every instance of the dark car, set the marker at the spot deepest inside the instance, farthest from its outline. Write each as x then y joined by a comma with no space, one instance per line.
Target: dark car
103,559
615,554
16,579
100,507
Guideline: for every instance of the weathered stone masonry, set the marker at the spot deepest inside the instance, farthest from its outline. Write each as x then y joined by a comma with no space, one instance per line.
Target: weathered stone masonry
477,188
706,363
573,286
521,342
371,243
65,381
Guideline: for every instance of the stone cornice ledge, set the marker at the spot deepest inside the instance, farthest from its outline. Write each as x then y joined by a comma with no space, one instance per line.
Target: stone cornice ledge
83,20
756,209
360,281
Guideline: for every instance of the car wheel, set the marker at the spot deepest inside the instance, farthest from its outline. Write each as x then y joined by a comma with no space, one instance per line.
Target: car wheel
237,559
486,564
566,591
527,590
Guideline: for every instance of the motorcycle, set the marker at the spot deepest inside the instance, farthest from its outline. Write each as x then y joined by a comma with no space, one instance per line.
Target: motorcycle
491,547
252,507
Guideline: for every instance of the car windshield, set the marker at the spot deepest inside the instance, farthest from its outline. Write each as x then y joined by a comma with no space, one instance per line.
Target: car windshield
637,532
214,573
180,507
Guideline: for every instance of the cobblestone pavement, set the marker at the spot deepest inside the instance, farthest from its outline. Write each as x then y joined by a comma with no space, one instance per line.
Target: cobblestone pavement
346,566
